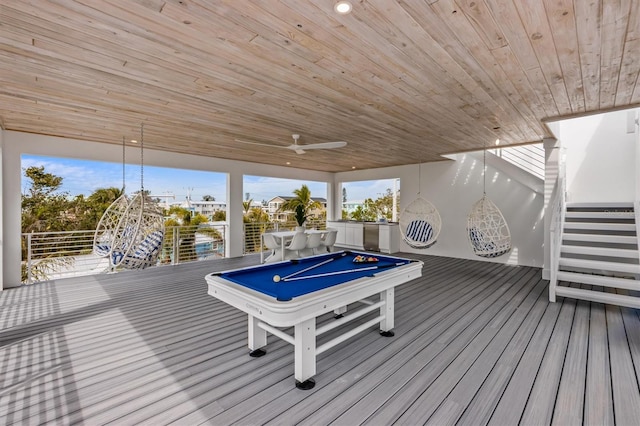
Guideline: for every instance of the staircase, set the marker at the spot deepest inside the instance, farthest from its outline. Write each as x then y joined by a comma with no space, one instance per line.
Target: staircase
599,248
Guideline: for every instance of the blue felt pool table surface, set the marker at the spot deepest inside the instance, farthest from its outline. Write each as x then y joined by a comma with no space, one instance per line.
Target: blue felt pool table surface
339,268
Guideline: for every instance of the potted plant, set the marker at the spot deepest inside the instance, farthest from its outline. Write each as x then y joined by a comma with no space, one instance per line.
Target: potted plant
301,217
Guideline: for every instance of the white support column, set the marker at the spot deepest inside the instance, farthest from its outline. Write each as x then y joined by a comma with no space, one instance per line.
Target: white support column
235,241
305,350
334,201
11,217
388,309
1,210
257,336
551,156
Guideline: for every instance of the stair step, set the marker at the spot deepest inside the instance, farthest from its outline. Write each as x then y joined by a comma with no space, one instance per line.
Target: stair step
600,238
619,205
600,251
598,296
599,265
594,226
613,282
599,215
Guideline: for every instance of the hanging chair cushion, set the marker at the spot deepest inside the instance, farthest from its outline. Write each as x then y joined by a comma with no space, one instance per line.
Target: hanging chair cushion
146,253
481,247
419,231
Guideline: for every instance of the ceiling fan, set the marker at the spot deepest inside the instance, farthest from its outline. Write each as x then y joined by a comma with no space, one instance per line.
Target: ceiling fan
300,149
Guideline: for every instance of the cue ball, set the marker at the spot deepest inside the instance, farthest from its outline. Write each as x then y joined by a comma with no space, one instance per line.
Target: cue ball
276,278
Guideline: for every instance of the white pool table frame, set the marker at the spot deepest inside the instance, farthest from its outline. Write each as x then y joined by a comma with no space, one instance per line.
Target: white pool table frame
266,314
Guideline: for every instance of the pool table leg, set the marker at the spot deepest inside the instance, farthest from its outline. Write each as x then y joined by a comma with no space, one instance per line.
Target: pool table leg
387,324
257,338
305,353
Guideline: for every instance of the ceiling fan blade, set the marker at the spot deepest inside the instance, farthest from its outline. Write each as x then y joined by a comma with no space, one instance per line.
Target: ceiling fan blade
322,145
260,144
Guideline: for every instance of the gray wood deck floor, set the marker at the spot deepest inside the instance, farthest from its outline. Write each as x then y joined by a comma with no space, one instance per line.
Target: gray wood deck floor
476,343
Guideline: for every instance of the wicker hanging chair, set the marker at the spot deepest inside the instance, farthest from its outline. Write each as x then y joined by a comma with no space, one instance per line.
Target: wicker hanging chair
487,230
420,222
131,231
138,241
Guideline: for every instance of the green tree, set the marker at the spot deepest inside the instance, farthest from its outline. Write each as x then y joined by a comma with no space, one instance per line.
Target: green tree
256,222
359,214
246,206
43,209
302,198
372,210
208,198
219,216
89,210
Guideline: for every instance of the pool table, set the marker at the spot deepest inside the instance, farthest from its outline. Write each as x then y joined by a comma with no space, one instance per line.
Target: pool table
294,293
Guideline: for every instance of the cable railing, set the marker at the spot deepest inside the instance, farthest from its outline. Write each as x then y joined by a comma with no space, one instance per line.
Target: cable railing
254,230
528,157
53,255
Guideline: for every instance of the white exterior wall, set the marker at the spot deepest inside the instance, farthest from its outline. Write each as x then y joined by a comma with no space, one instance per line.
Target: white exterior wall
14,144
600,158
453,187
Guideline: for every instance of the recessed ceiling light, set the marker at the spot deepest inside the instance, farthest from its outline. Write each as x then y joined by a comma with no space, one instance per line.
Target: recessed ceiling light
497,141
288,163
353,167
134,141
343,7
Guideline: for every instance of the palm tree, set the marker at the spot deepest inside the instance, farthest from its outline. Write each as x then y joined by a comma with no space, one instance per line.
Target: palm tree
302,198
246,206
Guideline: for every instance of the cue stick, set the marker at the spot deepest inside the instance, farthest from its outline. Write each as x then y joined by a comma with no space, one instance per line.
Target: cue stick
312,267
348,271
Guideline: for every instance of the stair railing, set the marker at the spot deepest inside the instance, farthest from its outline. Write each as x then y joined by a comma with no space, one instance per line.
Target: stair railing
636,204
558,206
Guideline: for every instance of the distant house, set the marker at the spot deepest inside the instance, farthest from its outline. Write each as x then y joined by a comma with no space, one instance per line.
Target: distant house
275,215
205,208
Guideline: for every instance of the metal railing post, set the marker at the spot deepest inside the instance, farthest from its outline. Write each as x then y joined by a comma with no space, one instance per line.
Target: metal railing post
176,252
29,253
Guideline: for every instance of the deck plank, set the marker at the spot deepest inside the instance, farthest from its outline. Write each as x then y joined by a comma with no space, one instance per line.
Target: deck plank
476,343
569,402
626,400
597,401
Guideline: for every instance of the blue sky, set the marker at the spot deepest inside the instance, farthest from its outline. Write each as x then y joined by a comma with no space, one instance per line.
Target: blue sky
84,177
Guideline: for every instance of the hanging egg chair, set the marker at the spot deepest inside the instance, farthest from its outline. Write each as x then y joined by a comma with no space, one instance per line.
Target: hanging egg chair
487,230
131,231
139,238
420,222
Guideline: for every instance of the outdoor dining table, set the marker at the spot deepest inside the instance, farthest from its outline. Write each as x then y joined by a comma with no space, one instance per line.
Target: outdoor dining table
284,237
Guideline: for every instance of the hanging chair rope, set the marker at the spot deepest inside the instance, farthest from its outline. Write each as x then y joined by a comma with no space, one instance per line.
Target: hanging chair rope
420,222
131,232
487,229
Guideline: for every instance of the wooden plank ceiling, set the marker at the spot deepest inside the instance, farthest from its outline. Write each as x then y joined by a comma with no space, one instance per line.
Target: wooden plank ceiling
401,81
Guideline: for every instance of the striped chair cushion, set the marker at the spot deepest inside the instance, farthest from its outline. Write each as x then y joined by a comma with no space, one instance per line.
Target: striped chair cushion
419,231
